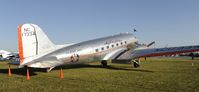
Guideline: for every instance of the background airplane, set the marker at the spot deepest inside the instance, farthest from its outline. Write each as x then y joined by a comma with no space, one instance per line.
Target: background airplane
5,55
192,54
37,51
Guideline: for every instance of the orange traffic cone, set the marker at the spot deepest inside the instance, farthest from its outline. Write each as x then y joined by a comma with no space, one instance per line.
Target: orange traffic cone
9,71
27,74
61,76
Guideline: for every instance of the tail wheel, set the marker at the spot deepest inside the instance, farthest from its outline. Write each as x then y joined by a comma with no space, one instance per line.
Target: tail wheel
104,63
49,69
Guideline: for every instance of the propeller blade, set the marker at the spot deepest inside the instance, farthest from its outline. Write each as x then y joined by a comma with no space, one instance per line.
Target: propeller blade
151,44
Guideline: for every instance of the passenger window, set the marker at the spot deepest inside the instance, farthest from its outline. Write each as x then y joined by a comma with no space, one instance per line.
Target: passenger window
112,46
117,44
96,50
107,47
125,42
102,48
121,43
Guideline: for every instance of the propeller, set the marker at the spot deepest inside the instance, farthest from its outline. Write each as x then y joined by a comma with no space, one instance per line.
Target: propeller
151,44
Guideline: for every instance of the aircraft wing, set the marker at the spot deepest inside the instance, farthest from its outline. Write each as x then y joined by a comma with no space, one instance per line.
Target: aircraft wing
114,54
151,52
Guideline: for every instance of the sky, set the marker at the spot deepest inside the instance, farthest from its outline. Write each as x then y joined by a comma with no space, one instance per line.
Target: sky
168,22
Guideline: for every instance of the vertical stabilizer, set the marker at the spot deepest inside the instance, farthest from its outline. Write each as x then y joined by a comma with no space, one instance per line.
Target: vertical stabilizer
32,41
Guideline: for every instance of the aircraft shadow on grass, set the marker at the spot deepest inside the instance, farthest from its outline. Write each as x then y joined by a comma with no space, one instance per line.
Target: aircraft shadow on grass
99,66
22,71
18,71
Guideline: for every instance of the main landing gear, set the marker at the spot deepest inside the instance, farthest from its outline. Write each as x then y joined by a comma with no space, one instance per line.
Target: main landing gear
136,63
104,63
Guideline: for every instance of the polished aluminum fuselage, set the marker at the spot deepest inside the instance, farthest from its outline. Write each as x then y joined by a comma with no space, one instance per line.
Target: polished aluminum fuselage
87,51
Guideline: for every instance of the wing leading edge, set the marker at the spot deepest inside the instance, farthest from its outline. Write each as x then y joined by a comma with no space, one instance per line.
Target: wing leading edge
152,52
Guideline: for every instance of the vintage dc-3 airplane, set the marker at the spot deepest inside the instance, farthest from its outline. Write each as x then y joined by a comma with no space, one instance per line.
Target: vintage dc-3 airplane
37,51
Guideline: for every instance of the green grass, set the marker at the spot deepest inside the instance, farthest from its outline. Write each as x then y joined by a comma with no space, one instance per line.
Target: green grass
155,74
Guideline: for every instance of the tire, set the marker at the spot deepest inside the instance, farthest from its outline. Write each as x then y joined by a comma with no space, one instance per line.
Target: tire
104,63
136,64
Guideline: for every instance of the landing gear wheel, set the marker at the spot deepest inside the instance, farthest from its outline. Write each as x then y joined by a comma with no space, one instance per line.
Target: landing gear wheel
104,63
136,63
49,69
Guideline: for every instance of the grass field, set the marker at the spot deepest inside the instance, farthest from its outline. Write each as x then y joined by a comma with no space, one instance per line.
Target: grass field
155,74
